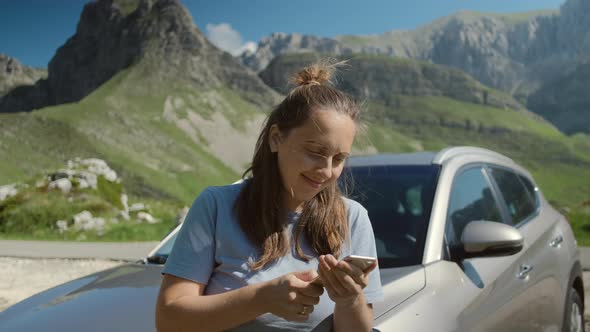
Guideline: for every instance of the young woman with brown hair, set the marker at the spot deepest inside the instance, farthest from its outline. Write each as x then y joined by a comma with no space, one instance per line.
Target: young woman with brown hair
246,255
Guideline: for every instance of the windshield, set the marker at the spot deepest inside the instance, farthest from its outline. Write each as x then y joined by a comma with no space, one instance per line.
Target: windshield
162,254
398,199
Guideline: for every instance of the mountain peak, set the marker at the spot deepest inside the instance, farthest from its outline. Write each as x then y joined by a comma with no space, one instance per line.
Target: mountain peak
157,38
13,74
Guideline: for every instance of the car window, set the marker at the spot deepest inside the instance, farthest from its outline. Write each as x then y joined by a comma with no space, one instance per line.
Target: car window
166,247
398,200
531,190
519,202
471,199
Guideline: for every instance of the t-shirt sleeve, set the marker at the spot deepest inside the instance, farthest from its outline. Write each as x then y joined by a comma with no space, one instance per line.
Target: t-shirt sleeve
362,242
193,255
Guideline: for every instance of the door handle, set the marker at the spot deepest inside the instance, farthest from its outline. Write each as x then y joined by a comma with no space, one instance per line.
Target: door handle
524,271
556,241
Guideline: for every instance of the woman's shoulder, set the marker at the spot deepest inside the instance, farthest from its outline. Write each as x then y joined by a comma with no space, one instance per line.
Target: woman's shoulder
353,207
225,192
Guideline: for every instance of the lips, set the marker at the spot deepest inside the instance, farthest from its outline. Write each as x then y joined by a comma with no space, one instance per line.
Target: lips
313,183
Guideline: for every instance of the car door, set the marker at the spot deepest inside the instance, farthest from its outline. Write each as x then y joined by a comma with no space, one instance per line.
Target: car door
539,260
494,299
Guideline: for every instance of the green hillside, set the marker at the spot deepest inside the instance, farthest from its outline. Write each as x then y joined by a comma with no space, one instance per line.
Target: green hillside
141,136
158,144
153,156
560,164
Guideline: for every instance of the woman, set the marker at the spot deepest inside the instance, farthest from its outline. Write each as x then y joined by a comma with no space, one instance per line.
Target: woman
247,254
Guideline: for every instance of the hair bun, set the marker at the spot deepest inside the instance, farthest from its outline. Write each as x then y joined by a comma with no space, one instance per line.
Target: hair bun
319,73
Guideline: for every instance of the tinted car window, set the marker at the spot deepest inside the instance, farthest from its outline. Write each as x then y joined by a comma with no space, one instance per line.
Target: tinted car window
398,200
519,203
471,199
530,188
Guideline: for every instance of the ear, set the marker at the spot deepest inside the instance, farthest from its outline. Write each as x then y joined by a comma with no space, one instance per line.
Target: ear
274,138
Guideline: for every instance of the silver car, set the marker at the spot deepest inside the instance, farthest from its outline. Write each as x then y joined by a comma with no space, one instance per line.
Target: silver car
466,242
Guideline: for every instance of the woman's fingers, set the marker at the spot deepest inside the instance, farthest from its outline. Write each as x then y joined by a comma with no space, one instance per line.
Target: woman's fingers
342,269
357,275
328,278
333,276
313,290
307,300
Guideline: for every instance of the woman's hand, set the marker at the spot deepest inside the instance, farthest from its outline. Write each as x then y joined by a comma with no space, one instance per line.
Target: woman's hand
343,281
293,296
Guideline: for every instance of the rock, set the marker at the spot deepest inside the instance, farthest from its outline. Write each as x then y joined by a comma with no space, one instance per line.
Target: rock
125,212
7,191
281,43
144,216
62,226
14,74
82,218
84,221
137,207
124,215
86,180
99,167
65,185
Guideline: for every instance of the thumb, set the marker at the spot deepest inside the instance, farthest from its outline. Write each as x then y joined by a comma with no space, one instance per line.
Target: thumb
370,268
308,275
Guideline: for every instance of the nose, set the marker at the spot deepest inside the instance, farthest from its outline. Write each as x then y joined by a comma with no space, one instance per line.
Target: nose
325,168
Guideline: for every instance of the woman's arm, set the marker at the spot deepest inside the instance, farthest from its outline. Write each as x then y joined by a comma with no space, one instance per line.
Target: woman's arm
355,317
181,305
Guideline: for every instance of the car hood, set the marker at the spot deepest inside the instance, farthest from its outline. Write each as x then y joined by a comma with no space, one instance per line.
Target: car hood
399,284
123,299
117,299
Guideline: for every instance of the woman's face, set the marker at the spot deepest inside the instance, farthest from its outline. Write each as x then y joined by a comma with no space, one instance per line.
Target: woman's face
312,156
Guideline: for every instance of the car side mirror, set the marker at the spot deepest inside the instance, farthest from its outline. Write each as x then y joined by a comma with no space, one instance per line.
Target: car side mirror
490,239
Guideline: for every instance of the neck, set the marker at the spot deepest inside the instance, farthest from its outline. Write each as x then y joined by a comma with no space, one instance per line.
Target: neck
291,204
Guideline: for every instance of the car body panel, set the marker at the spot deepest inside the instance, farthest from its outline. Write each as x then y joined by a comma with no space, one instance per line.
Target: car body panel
119,299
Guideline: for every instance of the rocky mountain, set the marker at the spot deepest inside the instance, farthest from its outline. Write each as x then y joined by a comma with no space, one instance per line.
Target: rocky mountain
516,53
282,43
383,78
14,74
138,85
490,47
565,101
156,37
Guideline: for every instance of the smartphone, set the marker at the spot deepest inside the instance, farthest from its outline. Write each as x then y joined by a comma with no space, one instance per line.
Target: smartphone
362,262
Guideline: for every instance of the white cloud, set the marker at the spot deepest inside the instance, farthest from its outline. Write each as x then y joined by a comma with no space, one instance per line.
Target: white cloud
226,38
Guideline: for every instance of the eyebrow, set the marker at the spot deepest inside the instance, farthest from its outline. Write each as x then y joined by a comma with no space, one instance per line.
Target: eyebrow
323,148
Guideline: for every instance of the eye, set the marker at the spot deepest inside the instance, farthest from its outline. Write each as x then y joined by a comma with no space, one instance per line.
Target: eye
339,158
315,153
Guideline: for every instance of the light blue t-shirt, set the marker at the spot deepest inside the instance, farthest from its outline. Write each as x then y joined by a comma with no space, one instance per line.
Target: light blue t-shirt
212,249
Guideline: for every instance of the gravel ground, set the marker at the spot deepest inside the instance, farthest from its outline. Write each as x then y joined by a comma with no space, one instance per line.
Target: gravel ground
23,277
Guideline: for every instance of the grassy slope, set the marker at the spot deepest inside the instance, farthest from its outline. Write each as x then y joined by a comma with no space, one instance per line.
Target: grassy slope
560,164
158,163
128,131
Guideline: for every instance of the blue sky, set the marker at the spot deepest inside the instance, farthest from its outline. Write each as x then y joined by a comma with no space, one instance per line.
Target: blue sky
32,30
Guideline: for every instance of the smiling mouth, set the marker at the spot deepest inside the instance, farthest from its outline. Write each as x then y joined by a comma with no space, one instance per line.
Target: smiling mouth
313,183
